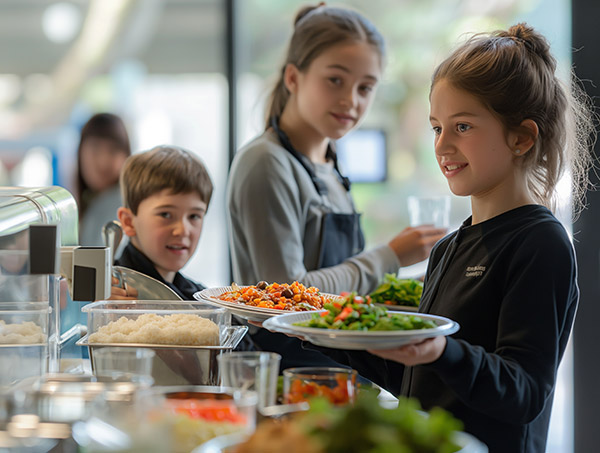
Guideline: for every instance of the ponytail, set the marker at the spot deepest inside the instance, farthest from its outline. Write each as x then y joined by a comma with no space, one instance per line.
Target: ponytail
277,100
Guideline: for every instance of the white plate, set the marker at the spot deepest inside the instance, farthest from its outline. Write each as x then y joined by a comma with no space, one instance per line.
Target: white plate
359,340
248,312
398,307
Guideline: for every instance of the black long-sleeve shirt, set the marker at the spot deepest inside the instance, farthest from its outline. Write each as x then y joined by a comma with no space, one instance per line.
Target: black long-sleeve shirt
511,283
133,258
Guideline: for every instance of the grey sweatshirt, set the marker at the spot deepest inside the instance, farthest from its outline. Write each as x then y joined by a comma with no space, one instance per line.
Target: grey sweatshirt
275,216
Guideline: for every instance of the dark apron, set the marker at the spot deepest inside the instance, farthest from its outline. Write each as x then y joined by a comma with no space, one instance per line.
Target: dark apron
341,234
341,238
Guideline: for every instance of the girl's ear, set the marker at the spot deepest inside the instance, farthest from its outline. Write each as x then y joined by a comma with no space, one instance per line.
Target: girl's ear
290,77
525,137
126,218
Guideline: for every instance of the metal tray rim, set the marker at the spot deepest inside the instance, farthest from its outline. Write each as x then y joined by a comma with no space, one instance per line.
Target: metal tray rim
230,342
20,345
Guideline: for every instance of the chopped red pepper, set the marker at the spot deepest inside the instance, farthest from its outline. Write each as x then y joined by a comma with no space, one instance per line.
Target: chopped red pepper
344,314
209,410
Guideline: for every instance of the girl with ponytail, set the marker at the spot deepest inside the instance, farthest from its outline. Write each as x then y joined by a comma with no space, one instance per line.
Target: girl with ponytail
291,214
505,130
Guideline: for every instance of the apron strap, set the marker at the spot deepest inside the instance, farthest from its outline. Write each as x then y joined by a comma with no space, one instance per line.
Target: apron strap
318,183
341,235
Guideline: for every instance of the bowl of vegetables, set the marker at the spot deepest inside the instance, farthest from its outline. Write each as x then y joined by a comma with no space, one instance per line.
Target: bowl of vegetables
398,293
199,413
337,385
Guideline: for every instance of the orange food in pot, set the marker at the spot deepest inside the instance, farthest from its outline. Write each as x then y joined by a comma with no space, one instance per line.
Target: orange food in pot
302,390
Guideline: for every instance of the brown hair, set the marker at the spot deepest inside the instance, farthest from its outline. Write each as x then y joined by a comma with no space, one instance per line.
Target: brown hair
514,75
163,167
106,126
317,28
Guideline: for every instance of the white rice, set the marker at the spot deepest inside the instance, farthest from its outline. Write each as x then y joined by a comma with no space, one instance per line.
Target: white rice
24,333
150,328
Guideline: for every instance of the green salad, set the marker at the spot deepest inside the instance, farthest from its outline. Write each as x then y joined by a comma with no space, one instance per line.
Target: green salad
355,313
398,291
368,427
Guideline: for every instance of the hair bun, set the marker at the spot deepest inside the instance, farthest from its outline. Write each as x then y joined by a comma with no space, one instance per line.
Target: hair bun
532,40
305,11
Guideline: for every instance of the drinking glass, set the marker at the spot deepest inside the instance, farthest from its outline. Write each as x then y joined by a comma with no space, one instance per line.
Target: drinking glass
429,211
123,362
337,385
252,370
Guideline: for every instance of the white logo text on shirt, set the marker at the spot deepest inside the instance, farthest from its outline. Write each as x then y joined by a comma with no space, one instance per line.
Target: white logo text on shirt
475,271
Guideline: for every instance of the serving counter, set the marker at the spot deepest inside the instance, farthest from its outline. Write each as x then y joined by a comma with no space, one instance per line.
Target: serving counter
175,407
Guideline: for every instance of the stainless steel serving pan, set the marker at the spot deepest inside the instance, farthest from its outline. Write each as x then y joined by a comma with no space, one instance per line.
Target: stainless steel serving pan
181,365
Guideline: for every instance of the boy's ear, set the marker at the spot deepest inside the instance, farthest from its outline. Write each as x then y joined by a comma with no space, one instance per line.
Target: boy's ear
290,77
525,137
126,218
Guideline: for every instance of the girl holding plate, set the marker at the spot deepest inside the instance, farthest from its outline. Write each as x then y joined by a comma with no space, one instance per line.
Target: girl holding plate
506,130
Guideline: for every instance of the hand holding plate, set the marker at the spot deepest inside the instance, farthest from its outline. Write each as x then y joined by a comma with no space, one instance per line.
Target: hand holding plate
426,351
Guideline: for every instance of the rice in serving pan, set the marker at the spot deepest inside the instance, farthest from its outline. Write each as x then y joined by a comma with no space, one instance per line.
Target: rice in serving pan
23,333
150,328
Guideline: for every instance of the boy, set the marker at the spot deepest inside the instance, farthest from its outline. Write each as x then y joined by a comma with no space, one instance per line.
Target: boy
165,192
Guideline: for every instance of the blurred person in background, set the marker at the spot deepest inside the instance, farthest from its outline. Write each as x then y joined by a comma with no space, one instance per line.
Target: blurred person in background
103,148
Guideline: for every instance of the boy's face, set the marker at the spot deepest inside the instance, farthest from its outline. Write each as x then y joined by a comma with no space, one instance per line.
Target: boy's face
166,229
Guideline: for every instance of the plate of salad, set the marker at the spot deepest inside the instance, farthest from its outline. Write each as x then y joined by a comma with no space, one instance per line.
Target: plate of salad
395,293
356,324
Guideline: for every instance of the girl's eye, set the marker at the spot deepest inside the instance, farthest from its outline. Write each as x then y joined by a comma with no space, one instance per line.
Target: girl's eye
195,217
437,130
463,127
365,89
165,215
335,81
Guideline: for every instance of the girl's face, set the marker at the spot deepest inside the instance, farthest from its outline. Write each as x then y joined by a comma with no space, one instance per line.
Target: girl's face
101,162
336,90
471,145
